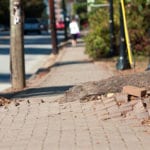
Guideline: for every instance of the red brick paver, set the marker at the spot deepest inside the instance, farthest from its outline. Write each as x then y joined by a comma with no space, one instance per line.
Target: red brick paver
75,125
41,123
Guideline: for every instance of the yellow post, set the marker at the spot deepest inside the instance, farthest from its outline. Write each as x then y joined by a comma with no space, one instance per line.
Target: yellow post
127,35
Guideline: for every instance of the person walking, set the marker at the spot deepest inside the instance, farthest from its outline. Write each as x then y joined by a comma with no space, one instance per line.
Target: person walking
74,31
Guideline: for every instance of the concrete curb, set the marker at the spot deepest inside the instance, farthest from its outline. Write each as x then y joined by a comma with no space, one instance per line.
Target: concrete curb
43,68
46,66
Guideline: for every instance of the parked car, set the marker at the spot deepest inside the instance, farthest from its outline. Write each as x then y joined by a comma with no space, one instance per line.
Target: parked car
32,25
2,28
60,25
44,26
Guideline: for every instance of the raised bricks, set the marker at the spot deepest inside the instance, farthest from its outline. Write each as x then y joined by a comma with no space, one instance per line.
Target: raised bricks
135,91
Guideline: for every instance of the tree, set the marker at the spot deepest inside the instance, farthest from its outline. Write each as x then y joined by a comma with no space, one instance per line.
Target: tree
80,8
32,8
4,12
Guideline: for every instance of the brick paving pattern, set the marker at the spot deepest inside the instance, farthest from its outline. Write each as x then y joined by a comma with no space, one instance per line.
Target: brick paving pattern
84,126
39,123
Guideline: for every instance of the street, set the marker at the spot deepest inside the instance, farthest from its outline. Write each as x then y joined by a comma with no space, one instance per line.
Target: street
36,48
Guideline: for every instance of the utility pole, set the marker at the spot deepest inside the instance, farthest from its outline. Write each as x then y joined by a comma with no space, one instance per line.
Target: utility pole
17,45
123,62
53,27
111,22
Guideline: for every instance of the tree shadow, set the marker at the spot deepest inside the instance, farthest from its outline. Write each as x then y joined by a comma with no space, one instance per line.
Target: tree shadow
71,63
34,92
80,43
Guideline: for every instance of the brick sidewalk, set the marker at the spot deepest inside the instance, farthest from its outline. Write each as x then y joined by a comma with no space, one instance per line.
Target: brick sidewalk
34,121
43,125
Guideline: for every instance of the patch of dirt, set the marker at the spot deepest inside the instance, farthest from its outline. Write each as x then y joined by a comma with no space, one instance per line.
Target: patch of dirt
4,101
110,64
113,84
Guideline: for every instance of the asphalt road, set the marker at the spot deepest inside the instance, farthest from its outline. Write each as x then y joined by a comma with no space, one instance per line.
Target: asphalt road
36,48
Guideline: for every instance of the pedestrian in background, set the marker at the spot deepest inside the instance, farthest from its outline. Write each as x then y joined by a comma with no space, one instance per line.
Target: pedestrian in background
74,31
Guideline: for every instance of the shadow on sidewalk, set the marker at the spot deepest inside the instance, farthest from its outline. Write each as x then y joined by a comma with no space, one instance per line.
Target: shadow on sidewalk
43,71
71,63
35,92
80,43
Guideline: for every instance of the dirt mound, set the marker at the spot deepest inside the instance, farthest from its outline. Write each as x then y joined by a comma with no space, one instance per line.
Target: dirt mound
4,101
113,84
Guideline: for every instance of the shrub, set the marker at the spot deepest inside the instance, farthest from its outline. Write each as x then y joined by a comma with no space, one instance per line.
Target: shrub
80,8
139,11
96,45
138,21
98,39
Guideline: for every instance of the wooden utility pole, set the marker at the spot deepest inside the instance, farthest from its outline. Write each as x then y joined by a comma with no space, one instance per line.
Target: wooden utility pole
17,45
53,27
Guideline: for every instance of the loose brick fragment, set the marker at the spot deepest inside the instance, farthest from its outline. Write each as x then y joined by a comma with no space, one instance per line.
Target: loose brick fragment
135,91
110,95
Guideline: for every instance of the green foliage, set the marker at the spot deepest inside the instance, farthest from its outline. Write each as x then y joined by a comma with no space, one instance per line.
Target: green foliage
32,8
80,8
139,11
96,46
97,41
4,12
138,21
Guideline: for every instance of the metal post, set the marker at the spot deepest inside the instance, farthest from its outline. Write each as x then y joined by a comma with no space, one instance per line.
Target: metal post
123,62
111,21
53,27
17,47
65,22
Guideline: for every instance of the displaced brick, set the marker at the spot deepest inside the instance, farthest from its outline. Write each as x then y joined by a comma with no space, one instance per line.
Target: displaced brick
111,104
121,97
146,101
108,100
113,109
105,117
135,91
115,115
125,109
129,104
139,107
143,115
